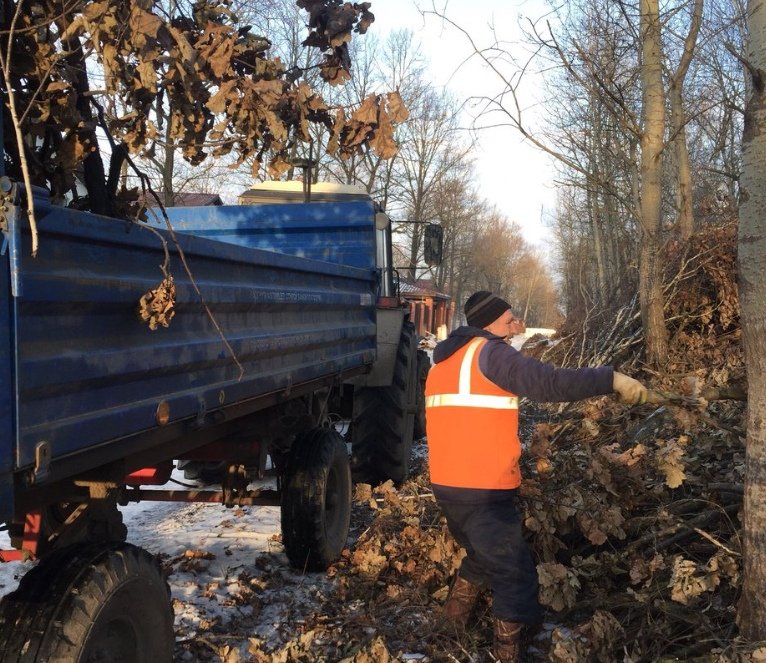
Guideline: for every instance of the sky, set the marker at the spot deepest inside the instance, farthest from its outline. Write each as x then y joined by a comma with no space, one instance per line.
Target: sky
512,174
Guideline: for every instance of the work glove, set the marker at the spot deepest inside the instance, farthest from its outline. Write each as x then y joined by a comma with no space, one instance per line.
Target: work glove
630,391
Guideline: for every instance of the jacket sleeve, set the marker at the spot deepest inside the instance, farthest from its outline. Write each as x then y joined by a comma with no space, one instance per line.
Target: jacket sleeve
533,379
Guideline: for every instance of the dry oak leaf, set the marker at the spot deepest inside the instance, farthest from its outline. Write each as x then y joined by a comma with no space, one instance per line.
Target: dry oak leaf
157,306
144,25
687,582
558,585
226,93
337,130
540,444
367,113
397,111
369,562
383,142
669,460
216,47
568,648
363,493
602,633
641,570
333,71
375,652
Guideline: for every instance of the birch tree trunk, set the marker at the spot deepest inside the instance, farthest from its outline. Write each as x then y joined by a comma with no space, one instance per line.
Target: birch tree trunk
652,138
751,615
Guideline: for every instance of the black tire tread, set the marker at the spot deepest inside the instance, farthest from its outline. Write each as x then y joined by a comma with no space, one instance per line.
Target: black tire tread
384,420
304,531
49,616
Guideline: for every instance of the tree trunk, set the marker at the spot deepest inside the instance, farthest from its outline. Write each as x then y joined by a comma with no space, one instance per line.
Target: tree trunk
168,169
595,209
751,616
681,149
93,167
650,273
598,248
683,170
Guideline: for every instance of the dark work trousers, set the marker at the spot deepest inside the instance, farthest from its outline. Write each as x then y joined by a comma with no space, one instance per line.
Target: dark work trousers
497,554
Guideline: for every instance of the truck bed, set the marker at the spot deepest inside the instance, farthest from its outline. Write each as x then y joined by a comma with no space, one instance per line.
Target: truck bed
81,372
338,232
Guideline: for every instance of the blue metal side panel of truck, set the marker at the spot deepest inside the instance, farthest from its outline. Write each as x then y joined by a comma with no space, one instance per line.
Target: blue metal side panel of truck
91,373
6,389
333,232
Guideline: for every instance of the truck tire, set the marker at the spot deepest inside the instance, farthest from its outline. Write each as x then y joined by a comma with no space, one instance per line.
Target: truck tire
384,418
316,499
424,365
89,604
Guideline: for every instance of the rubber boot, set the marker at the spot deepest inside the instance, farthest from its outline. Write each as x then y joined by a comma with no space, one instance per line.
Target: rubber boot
507,647
459,604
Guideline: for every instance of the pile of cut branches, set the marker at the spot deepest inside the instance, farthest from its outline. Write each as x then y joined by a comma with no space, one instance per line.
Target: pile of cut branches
633,513
701,313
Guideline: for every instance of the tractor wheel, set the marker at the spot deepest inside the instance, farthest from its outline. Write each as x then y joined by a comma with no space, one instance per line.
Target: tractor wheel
89,604
384,418
316,499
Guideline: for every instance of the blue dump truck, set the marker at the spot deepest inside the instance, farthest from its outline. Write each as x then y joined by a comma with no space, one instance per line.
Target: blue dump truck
96,409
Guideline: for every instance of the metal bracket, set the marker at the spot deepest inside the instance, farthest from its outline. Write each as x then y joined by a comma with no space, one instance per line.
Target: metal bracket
42,462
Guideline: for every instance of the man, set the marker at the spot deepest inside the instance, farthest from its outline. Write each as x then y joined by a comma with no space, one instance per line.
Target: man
472,394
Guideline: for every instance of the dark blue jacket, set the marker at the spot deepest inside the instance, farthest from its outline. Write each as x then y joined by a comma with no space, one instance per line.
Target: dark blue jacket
526,376
523,376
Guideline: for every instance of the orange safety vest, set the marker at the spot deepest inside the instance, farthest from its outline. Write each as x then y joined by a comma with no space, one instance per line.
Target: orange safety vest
472,425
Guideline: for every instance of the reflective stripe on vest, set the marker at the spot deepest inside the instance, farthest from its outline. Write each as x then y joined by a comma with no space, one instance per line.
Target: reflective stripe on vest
464,397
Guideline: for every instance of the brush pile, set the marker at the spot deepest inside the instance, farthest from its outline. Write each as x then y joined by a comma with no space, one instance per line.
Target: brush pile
633,513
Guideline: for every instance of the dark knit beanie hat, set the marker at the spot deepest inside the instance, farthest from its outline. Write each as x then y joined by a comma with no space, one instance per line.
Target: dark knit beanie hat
483,308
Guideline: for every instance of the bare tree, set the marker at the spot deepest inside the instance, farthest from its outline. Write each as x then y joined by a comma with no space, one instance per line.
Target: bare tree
652,146
461,213
751,615
431,147
497,253
678,117
615,147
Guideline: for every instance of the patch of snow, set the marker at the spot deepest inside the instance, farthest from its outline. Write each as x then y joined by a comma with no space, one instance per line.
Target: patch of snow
227,569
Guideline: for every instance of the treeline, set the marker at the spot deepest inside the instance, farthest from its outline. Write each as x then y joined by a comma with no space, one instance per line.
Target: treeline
644,112
645,157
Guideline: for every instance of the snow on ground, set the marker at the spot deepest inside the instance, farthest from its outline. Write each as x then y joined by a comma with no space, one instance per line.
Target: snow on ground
227,566
10,572
227,570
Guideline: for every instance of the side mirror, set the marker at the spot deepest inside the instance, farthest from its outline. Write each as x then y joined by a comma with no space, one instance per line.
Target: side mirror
433,243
